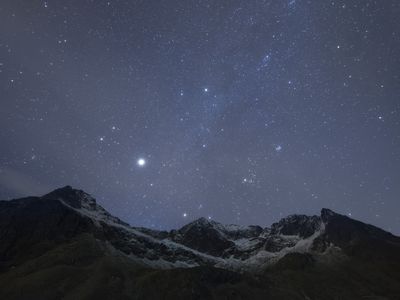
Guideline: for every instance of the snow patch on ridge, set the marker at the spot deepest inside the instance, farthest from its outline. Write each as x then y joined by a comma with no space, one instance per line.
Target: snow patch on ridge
258,260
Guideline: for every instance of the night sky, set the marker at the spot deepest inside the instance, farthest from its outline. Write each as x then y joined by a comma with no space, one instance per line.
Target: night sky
239,111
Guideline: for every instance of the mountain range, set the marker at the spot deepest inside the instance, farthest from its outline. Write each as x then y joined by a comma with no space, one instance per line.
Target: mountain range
64,245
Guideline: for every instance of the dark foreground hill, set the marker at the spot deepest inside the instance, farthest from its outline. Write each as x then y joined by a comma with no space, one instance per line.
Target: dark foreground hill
65,246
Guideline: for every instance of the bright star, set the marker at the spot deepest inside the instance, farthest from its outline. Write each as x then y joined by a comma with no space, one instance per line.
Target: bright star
206,90
141,162
184,215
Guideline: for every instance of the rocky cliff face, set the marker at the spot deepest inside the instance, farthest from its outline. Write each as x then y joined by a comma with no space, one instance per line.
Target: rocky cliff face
34,227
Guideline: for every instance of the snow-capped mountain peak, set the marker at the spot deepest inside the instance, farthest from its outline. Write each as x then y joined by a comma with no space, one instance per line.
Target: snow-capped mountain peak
66,212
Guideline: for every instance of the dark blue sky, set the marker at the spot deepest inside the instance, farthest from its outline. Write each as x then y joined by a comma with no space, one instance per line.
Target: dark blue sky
242,111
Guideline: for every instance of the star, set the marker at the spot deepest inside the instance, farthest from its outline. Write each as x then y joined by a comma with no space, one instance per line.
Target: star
206,90
141,162
184,215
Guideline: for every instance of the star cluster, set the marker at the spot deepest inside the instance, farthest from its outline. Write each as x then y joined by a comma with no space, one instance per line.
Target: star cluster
238,111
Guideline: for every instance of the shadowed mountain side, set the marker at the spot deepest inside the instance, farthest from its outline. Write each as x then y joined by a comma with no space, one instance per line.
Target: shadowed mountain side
64,245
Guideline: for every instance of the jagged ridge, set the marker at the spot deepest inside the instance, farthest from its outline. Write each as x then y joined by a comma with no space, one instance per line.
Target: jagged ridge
201,242
36,226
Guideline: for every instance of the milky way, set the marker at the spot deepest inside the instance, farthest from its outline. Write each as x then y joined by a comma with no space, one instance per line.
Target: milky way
238,111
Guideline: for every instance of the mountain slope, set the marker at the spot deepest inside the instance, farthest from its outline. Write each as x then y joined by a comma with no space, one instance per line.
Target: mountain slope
64,245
